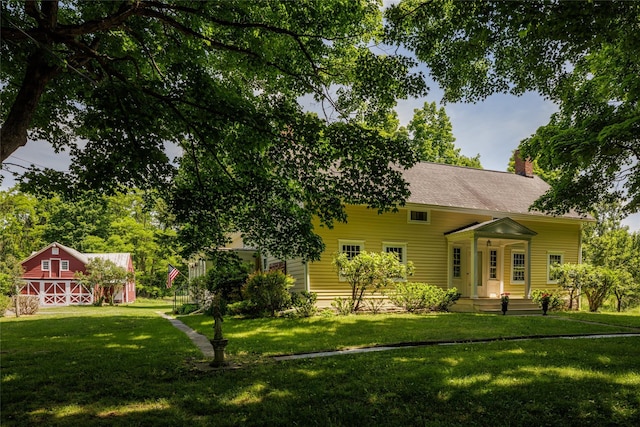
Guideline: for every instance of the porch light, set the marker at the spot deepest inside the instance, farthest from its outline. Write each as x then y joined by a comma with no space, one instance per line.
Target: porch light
488,243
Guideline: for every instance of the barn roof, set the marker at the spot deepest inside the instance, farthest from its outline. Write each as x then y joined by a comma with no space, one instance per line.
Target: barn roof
78,255
463,187
121,259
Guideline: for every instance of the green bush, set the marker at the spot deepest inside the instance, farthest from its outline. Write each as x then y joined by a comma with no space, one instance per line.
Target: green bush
5,302
343,306
304,303
418,297
269,291
556,302
450,297
244,308
187,308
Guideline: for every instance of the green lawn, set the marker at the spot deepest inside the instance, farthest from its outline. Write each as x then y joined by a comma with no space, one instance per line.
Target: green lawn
286,336
127,366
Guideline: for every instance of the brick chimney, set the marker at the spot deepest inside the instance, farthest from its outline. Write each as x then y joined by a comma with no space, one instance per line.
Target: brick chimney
523,167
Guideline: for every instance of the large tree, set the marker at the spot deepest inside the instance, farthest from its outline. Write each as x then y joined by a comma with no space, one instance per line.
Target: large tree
585,56
225,82
432,132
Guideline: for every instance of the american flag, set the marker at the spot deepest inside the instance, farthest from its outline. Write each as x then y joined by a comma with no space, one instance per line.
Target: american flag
171,275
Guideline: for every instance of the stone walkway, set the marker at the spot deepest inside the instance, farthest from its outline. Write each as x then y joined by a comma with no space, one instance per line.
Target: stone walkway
199,340
206,348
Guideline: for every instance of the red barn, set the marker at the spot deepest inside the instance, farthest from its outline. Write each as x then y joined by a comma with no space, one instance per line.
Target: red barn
49,274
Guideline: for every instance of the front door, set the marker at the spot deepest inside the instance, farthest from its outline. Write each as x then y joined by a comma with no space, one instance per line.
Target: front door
55,268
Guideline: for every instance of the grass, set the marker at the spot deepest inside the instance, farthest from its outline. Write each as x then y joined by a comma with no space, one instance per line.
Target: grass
127,366
287,336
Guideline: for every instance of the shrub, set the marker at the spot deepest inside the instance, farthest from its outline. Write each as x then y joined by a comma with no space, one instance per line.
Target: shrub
598,286
187,308
5,302
374,305
269,291
556,302
416,297
343,306
244,308
304,303
369,272
27,304
450,297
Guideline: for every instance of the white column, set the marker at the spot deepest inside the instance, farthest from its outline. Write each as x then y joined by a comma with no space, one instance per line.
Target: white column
474,263
527,286
501,267
449,264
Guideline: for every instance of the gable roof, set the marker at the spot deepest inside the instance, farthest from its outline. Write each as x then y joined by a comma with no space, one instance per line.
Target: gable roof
486,190
120,259
497,228
77,255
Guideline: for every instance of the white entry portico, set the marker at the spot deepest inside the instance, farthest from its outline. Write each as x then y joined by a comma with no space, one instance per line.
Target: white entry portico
476,256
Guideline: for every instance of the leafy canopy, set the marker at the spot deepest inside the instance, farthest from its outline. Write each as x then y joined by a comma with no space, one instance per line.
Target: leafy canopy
223,82
584,56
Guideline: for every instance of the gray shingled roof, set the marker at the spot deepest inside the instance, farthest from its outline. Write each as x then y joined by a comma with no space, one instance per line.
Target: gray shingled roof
462,187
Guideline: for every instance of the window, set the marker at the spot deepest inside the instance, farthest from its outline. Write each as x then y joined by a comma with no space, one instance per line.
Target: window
44,265
418,216
493,264
517,267
400,249
552,260
351,247
55,251
457,263
64,265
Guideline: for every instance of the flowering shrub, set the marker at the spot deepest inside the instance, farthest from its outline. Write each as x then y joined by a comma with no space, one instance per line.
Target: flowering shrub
553,299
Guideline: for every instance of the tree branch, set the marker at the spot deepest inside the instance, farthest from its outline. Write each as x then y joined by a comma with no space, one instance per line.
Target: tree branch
14,129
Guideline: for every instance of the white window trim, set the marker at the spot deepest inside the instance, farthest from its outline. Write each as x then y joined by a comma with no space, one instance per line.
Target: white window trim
45,265
453,260
341,243
411,221
549,253
402,245
513,253
64,263
55,250
350,242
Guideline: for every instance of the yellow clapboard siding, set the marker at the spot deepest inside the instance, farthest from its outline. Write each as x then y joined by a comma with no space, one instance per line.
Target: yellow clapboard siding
426,243
551,238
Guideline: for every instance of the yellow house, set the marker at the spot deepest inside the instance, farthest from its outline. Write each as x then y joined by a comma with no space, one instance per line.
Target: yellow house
467,228
461,227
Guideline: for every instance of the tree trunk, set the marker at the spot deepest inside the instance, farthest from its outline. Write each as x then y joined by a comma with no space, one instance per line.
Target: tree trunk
17,301
40,71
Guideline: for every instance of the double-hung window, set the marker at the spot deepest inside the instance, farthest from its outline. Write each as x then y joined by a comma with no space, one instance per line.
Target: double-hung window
45,265
517,266
351,247
553,259
64,265
400,249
